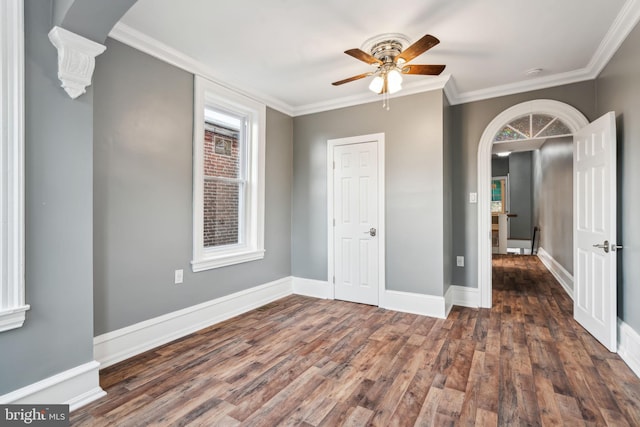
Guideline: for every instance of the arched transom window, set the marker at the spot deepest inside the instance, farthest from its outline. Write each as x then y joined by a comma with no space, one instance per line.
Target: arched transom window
532,126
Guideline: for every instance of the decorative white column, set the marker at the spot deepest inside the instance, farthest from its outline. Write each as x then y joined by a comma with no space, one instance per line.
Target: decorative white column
12,257
76,60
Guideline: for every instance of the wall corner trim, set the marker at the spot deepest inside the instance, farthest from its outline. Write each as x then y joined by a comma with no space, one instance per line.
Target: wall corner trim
559,272
76,60
121,344
409,302
75,387
629,346
462,296
312,288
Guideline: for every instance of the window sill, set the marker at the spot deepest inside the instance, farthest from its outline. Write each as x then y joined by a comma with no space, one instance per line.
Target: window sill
12,318
223,260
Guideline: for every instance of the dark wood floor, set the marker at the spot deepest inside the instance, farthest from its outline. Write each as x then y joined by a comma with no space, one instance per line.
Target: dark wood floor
303,361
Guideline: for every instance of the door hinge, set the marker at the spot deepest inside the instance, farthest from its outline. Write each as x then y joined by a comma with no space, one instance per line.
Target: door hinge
334,280
334,165
334,222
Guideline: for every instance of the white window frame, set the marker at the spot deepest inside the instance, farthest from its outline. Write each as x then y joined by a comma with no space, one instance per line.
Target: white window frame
12,284
251,221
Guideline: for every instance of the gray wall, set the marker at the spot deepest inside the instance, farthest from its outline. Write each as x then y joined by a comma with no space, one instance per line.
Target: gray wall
499,166
619,90
143,194
553,199
470,120
91,18
521,195
414,188
57,334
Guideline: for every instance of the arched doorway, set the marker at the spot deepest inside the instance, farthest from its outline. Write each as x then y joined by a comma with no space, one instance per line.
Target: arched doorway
504,123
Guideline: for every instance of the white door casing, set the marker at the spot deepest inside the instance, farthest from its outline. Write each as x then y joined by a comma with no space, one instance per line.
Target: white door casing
574,120
594,239
356,218
594,213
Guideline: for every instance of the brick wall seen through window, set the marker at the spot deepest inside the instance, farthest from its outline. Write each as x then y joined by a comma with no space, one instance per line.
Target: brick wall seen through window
223,186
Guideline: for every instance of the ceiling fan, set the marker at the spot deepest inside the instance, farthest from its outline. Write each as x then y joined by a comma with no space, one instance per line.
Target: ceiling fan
387,55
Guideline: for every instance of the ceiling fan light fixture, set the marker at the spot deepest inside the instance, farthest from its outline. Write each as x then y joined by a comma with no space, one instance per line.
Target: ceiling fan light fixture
376,84
394,81
388,54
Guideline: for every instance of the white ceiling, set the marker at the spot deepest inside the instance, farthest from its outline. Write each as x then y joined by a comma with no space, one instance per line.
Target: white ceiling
289,51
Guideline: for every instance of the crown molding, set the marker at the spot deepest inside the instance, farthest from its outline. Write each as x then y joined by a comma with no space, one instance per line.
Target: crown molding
140,41
519,87
621,27
624,23
427,85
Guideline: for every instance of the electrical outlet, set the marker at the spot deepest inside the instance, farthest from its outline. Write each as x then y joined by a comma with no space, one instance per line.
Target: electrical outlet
179,276
460,261
473,197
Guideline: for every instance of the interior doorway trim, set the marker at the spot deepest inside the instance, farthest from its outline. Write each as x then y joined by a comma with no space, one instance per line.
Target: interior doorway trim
573,118
378,138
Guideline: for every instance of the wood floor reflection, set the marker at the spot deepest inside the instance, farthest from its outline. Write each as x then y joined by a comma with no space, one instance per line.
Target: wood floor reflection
304,361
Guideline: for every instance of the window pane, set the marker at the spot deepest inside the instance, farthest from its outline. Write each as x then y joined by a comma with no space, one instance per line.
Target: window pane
523,125
539,122
497,195
221,152
221,212
556,128
508,134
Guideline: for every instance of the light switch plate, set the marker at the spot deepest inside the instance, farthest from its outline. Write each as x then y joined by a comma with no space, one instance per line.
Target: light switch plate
179,276
460,261
473,197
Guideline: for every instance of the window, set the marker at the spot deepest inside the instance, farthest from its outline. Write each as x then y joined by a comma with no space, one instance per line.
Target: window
498,195
532,126
12,299
229,147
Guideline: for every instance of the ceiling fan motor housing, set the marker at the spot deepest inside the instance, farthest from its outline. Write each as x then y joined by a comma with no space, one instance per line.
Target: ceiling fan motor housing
386,50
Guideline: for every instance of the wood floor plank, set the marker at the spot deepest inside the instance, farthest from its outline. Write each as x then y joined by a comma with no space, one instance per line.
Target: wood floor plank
475,383
305,362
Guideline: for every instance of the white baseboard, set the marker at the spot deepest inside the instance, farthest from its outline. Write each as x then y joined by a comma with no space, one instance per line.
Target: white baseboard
311,288
408,302
629,346
75,387
559,272
462,296
113,347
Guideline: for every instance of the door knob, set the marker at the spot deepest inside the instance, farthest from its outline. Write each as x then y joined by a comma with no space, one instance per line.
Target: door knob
615,247
372,232
604,246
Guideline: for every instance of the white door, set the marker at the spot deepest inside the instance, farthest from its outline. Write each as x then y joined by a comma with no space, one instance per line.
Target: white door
594,184
355,210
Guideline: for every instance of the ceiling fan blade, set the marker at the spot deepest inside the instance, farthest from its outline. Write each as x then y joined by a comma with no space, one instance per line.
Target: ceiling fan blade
418,48
429,70
363,56
351,79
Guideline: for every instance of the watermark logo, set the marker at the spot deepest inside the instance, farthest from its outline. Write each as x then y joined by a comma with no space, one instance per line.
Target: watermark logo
34,415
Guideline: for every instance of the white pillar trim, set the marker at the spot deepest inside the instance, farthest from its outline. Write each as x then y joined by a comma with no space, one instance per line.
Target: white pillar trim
76,60
12,258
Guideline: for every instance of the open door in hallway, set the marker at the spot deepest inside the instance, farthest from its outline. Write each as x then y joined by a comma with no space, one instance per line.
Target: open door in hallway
594,240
